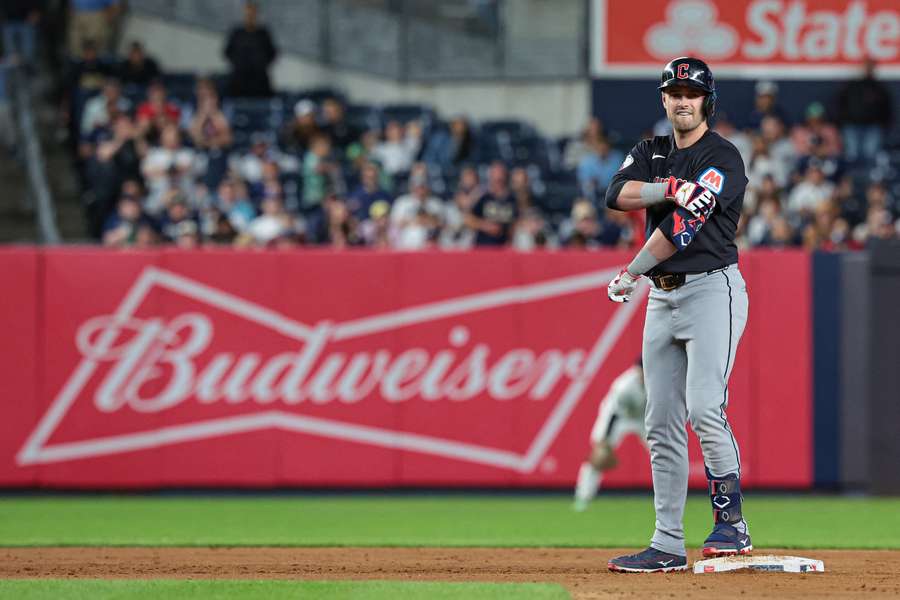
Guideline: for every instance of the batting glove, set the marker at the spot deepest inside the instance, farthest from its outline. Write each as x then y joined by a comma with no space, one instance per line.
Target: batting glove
695,199
672,186
621,288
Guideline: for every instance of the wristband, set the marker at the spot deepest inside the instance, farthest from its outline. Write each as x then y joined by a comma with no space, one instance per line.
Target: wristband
643,262
653,193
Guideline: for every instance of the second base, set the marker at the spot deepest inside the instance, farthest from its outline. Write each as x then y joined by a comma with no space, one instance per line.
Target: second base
785,564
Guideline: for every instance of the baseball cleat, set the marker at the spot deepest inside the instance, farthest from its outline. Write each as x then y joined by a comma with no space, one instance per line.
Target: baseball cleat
726,540
650,560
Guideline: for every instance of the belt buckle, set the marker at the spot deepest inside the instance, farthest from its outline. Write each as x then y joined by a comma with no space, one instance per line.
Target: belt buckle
667,283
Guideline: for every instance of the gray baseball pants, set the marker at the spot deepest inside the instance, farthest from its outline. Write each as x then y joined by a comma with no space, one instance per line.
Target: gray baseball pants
691,335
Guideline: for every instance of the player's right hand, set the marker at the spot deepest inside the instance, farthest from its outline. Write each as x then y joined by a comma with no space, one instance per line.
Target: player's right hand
672,186
621,288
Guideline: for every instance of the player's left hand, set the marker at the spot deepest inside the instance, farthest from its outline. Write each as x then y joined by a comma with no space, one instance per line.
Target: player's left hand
695,199
621,288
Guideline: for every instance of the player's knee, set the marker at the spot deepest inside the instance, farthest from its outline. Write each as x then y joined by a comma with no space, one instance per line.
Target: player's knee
707,422
603,457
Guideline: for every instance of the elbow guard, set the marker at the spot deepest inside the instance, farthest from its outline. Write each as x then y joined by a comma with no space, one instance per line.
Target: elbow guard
685,227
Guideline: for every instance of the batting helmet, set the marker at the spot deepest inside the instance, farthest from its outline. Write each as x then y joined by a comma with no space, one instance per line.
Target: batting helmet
694,73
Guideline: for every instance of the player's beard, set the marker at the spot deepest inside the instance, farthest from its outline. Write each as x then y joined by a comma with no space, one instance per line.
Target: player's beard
685,123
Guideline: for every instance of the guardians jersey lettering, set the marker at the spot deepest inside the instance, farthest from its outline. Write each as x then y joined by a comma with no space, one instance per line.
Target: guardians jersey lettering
712,162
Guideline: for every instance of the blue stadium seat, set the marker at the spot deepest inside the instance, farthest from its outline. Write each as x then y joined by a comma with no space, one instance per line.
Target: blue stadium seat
513,128
363,117
409,112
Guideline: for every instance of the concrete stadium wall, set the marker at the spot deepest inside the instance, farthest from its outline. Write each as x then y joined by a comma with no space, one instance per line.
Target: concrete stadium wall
554,107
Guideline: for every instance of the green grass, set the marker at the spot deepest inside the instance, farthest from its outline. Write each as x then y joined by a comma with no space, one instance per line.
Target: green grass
91,589
373,520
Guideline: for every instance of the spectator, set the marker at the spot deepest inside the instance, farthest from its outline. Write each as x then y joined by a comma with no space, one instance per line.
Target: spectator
249,165
522,191
577,149
156,112
865,113
816,130
250,52
138,68
584,230
879,225
765,105
334,124
176,216
450,147
780,148
83,77
187,235
211,132
456,233
376,229
398,151
220,231
741,140
597,168
320,172
851,205
167,166
532,232
782,234
117,159
469,184
832,165
810,192
877,196
92,20
99,109
233,201
416,217
121,228
761,167
337,227
272,223
299,132
368,193
494,214
760,226
20,19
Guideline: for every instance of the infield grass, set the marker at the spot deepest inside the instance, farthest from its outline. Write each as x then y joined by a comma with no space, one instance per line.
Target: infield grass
397,520
93,589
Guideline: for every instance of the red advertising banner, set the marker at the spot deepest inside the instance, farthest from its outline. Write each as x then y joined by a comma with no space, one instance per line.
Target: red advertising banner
223,368
752,38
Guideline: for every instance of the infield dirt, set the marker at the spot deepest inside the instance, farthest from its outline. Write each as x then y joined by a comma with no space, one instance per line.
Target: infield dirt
849,574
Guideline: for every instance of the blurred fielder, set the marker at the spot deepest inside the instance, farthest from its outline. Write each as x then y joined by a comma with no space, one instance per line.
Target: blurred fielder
621,413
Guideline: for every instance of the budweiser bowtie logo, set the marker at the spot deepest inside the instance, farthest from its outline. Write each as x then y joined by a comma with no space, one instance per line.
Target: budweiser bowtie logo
213,364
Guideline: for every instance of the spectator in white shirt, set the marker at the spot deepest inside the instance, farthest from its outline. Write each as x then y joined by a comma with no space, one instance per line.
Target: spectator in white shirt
169,165
416,217
400,146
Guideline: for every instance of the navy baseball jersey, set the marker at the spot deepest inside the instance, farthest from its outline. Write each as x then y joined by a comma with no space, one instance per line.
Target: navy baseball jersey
712,162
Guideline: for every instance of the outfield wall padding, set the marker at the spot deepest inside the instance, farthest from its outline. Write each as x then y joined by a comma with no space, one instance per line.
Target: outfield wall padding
222,368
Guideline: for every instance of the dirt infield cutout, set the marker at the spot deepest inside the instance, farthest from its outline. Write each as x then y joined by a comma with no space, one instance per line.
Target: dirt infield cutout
849,574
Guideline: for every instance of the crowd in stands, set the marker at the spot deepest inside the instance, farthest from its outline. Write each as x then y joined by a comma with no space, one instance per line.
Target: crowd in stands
170,158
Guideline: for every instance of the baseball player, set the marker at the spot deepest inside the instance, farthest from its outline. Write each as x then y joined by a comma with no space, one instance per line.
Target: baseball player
691,183
621,413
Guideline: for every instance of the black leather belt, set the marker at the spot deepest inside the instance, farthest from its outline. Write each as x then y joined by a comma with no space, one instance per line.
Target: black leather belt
672,281
668,281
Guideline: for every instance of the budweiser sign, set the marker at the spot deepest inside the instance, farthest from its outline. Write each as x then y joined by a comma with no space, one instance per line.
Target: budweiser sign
755,38
182,361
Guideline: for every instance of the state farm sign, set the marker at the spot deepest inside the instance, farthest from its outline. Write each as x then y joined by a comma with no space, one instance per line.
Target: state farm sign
786,38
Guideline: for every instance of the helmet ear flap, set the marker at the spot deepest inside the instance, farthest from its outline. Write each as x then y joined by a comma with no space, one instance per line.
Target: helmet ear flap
709,105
